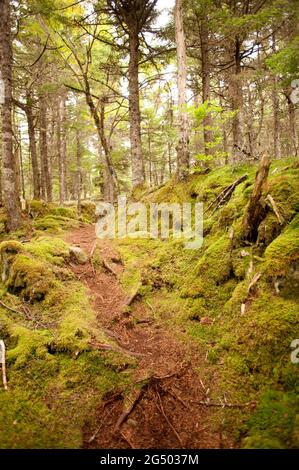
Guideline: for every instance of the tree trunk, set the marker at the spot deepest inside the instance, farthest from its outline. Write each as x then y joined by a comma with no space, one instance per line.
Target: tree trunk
111,177
237,104
255,211
292,126
138,173
10,195
182,147
79,171
43,147
32,147
61,149
205,70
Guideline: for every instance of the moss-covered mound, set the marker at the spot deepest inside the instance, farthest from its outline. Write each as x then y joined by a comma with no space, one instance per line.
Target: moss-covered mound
56,378
238,302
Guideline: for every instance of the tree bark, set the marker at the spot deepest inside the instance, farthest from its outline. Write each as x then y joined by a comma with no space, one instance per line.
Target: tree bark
206,84
32,146
61,149
138,175
111,177
79,170
237,103
255,211
46,177
10,195
182,147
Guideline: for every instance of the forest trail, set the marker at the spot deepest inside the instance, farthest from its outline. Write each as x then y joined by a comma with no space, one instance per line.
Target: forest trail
164,413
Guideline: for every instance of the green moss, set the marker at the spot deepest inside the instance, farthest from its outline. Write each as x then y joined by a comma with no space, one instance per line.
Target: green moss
56,378
11,246
273,423
52,250
30,277
54,224
88,211
283,251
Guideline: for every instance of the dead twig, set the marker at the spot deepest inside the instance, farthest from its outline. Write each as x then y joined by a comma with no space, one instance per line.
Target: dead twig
225,194
161,409
10,308
274,207
174,395
2,361
224,404
129,405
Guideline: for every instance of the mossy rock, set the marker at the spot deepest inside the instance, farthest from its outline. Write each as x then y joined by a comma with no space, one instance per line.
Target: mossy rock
39,208
30,278
88,211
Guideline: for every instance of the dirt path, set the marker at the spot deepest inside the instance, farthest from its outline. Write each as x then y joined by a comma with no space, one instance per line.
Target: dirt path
166,413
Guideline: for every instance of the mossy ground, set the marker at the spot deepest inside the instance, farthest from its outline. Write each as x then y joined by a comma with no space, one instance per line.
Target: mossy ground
247,356
56,379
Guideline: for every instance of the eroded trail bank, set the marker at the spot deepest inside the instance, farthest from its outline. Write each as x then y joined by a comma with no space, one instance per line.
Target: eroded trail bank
163,407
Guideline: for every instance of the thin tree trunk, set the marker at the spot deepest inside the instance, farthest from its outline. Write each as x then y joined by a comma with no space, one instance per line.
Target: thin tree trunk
32,147
111,177
61,149
275,104
138,172
182,147
10,195
79,171
43,147
206,85
292,126
237,104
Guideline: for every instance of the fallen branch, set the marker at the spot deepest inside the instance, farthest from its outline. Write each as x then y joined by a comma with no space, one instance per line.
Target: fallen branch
225,195
119,349
2,361
168,421
129,405
253,281
273,204
10,308
224,404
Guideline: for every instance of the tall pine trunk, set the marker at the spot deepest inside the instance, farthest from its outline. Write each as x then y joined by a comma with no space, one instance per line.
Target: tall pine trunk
61,149
206,85
182,147
9,185
32,147
43,147
138,175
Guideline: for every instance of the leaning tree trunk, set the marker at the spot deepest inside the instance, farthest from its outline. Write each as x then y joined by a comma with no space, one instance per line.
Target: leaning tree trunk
255,211
10,195
111,178
182,147
138,175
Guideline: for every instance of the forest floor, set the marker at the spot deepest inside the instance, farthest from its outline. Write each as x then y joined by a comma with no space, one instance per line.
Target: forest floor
165,409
